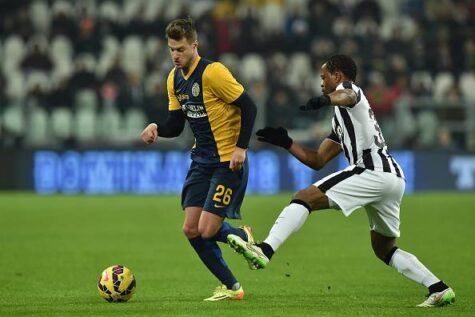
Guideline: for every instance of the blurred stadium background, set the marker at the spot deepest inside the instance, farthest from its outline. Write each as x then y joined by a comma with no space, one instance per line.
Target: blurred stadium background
83,75
79,80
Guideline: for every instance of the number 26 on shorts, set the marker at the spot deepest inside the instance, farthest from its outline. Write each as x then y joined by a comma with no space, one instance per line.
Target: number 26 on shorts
223,195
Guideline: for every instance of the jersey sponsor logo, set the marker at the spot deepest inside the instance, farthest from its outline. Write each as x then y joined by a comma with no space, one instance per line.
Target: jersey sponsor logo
219,206
195,90
194,110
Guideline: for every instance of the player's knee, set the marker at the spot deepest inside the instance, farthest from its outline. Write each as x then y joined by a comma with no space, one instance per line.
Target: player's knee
190,232
312,197
384,253
206,231
380,253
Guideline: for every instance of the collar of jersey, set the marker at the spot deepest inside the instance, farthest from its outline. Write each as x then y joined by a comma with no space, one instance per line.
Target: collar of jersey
192,68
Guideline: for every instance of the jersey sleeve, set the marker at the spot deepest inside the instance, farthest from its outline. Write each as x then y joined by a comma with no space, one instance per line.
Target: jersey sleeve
173,103
349,85
333,136
222,83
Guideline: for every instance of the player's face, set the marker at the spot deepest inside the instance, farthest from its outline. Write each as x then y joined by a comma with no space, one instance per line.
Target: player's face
329,80
182,52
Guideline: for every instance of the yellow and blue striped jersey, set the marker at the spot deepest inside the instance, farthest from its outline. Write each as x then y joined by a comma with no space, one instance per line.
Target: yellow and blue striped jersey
205,96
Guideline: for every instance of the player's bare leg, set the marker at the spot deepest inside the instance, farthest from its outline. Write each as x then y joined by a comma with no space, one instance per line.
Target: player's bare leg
190,225
209,224
408,265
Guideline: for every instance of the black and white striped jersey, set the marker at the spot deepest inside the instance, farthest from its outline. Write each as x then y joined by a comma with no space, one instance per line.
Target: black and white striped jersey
357,131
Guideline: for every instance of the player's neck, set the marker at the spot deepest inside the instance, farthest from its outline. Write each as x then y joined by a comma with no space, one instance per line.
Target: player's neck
189,67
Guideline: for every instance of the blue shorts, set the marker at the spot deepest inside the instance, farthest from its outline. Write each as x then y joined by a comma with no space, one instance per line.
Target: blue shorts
215,188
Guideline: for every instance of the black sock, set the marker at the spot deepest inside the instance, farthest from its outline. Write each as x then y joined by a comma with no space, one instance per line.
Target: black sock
226,229
437,287
266,248
210,254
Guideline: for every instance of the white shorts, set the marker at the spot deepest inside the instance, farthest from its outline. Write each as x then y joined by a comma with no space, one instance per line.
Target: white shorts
379,192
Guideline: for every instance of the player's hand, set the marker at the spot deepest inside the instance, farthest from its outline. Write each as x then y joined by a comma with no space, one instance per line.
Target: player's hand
276,136
316,103
237,159
150,133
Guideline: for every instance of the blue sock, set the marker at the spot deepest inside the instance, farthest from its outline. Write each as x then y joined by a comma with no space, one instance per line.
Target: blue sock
226,229
210,253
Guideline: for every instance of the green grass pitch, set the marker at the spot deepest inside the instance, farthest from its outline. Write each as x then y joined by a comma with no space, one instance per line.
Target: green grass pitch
52,249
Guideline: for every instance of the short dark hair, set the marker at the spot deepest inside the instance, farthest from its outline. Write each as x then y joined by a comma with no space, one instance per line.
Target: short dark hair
181,28
342,63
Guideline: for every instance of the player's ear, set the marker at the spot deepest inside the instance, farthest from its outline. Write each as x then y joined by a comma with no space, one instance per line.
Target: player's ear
337,76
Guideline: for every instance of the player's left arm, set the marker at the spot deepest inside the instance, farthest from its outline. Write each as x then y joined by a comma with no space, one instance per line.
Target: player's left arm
342,97
227,88
248,116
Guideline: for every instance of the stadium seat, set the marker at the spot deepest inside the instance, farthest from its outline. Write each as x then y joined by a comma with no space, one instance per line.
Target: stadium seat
89,61
299,69
13,52
231,61
13,120
62,6
442,83
130,8
467,86
61,47
61,123
404,120
428,124
37,78
110,10
15,85
153,8
135,121
422,79
110,128
40,15
63,68
84,126
132,56
272,17
86,99
37,133
172,9
253,68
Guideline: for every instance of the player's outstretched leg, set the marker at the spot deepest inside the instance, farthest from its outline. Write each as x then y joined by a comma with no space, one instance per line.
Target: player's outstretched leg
408,265
289,221
251,252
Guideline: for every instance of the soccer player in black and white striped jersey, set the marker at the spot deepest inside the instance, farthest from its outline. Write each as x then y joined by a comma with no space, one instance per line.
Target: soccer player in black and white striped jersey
374,180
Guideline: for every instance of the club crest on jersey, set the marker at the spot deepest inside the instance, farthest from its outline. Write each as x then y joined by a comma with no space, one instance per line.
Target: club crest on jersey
195,90
339,131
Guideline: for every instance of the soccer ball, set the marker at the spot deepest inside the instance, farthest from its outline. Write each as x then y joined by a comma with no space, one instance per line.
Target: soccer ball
116,284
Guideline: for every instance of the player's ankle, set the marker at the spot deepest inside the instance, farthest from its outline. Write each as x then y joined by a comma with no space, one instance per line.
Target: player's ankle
437,287
266,249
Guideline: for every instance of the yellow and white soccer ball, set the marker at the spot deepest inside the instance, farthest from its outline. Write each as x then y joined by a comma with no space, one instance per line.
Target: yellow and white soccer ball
116,284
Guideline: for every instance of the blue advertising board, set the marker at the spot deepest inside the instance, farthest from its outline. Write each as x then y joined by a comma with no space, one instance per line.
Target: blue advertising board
163,172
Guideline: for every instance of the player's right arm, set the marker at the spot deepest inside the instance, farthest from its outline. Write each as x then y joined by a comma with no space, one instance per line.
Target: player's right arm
318,158
175,122
315,159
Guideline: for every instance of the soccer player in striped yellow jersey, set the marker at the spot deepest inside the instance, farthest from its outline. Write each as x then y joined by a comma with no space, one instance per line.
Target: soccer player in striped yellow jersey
221,115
